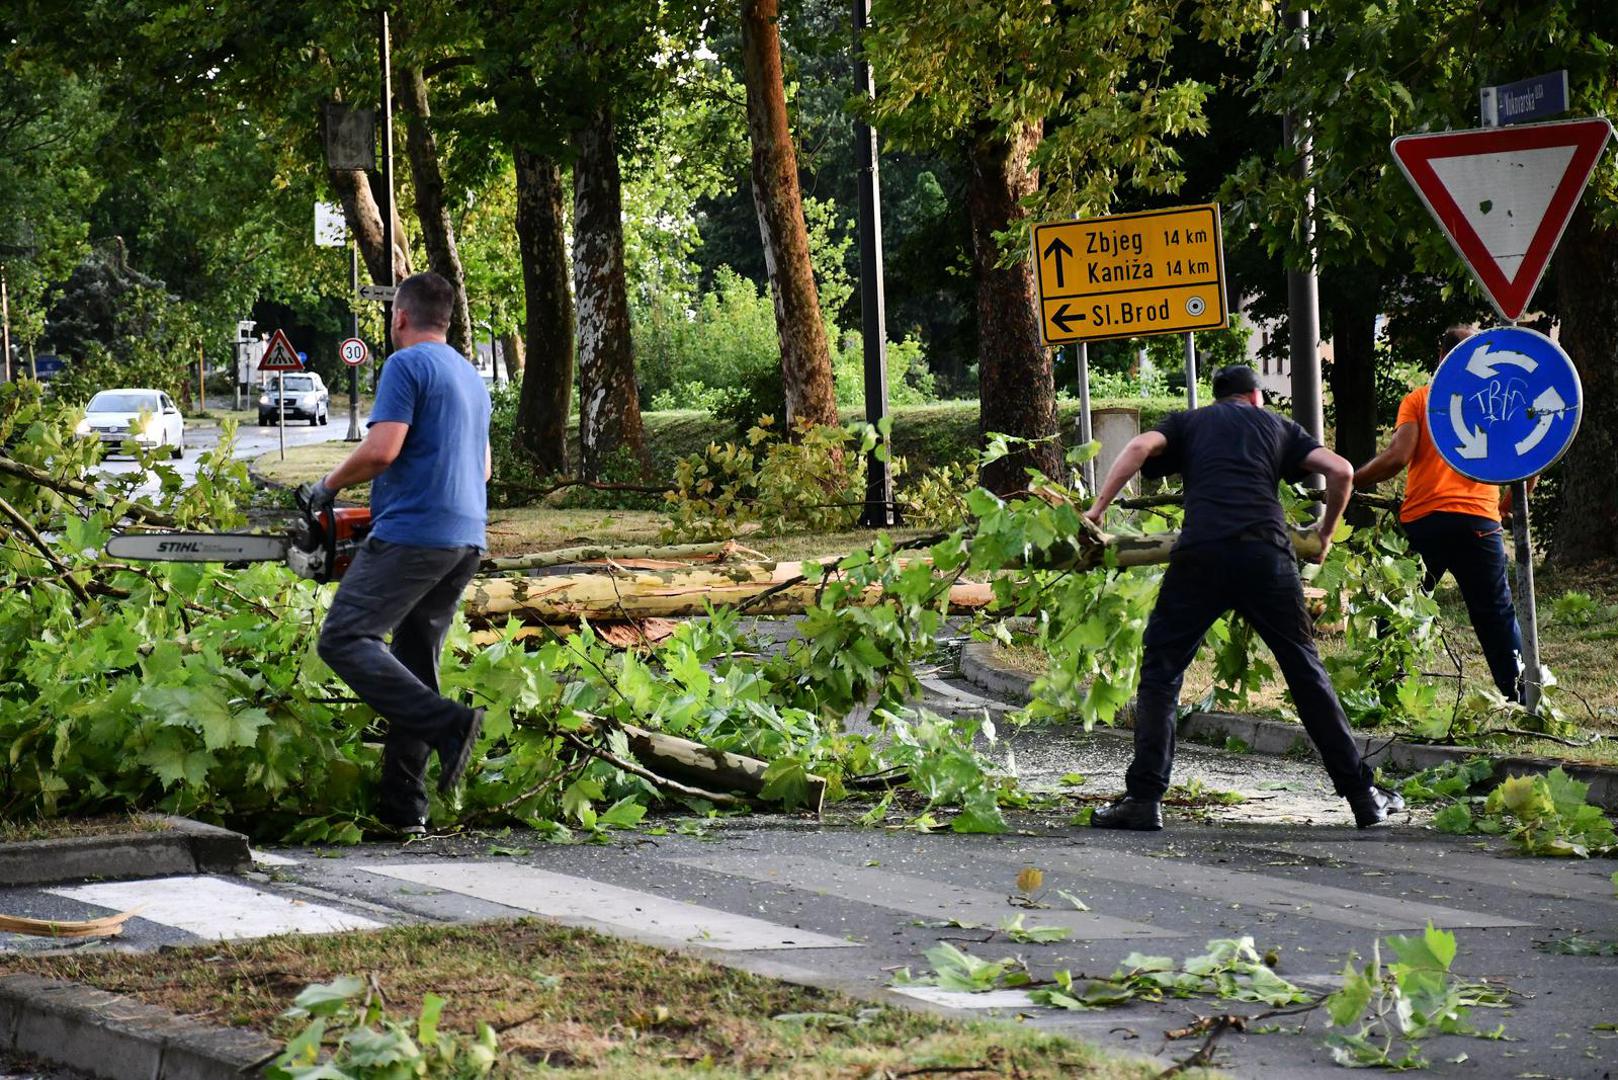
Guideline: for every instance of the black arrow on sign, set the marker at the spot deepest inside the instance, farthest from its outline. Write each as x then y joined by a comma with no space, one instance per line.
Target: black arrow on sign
1062,320
1057,248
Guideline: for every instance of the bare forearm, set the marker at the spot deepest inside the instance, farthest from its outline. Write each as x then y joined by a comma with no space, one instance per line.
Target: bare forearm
359,467
1338,489
1124,468
1382,467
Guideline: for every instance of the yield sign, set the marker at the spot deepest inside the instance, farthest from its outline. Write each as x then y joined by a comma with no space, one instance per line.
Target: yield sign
1504,195
280,355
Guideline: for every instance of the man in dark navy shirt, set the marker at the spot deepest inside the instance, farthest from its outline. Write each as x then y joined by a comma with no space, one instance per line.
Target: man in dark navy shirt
1234,553
427,457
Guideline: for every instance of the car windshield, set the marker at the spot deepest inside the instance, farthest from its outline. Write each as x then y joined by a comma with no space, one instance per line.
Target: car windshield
115,401
298,384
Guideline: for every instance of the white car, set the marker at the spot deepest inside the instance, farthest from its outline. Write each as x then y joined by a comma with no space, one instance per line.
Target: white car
157,422
306,399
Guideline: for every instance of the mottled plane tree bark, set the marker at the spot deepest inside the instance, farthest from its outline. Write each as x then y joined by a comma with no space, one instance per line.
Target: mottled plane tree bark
609,399
432,208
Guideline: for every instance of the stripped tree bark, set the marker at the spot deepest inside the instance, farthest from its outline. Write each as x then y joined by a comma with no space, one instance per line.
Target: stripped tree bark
437,228
1016,387
609,399
364,217
546,397
511,347
805,358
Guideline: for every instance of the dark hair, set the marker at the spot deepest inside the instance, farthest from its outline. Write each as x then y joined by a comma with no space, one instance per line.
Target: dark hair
1453,336
1233,381
426,299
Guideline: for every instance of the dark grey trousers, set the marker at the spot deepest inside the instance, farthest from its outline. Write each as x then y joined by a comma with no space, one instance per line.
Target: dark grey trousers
412,593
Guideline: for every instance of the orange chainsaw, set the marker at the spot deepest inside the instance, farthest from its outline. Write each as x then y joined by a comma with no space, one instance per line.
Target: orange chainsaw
320,546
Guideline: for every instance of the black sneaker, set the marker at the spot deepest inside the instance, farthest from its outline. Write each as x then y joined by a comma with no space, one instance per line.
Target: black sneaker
455,754
1141,815
1374,806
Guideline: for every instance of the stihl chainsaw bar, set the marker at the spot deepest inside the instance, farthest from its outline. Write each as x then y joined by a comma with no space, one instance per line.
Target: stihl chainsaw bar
199,547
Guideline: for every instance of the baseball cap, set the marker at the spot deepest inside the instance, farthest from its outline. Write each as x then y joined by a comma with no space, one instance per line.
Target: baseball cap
1234,379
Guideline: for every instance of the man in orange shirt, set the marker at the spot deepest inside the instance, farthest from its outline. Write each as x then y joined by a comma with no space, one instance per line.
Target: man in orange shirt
1454,524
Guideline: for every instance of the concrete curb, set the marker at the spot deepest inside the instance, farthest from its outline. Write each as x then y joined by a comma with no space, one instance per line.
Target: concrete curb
116,1037
1279,738
184,847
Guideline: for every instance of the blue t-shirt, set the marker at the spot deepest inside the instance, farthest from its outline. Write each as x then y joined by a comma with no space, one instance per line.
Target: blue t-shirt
434,494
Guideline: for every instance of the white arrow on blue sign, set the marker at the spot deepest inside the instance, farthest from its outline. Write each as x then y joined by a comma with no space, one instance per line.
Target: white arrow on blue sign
1504,405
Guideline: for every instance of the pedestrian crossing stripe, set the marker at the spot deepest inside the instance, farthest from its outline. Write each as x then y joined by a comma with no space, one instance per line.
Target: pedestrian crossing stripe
626,912
215,908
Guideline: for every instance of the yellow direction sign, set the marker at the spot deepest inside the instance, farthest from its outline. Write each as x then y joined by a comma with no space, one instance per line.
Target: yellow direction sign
1131,275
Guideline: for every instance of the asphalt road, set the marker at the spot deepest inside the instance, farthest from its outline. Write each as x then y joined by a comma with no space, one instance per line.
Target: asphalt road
845,906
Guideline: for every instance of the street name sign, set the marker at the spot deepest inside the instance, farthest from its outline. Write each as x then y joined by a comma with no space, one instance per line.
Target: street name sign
380,293
354,352
280,355
1131,275
1527,99
1503,196
1504,405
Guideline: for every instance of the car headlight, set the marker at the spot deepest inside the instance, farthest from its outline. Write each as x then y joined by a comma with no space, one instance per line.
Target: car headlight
83,428
264,399
152,429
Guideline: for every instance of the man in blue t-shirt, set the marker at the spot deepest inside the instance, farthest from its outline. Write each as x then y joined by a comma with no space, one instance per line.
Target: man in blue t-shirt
1233,554
427,456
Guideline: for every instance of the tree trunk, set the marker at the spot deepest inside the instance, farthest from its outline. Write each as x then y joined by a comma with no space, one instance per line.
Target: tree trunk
609,400
546,397
1016,389
805,359
511,347
1586,527
1353,297
364,217
437,228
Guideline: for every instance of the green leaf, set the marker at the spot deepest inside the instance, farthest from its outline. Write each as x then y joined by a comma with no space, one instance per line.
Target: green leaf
1455,818
325,999
1346,1005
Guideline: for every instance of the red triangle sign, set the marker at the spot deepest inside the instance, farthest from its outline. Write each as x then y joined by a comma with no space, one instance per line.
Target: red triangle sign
280,356
1504,195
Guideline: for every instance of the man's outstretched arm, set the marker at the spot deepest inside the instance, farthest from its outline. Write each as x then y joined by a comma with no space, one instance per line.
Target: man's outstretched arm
1147,444
1390,462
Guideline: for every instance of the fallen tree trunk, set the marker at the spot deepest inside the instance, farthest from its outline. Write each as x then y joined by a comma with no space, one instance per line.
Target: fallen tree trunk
616,596
719,551
702,766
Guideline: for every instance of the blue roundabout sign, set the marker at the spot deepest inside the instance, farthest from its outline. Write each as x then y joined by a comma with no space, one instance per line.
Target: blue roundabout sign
1504,405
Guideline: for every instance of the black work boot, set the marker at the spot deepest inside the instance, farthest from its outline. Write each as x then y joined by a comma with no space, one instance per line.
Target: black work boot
1141,815
1375,806
455,753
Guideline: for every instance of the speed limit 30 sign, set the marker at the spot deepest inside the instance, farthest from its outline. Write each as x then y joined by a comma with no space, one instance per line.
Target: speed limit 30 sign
354,352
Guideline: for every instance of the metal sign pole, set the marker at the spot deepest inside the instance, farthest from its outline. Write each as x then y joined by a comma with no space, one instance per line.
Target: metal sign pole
880,511
384,49
354,327
1527,610
281,407
1190,370
1088,469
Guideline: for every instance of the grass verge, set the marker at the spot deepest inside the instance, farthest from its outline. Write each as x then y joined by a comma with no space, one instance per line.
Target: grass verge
15,832
571,1002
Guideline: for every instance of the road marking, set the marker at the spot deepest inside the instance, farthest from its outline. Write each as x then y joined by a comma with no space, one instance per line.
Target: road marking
1347,907
581,901
962,999
1538,877
219,910
884,888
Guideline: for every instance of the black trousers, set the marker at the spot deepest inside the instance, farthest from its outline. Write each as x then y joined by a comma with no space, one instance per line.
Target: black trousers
1259,581
1473,550
412,593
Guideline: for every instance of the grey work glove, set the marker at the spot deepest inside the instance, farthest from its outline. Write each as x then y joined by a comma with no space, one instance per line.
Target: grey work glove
316,497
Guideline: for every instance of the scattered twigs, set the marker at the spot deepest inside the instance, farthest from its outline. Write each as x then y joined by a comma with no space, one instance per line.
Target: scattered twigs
1213,1027
135,510
564,484
1147,502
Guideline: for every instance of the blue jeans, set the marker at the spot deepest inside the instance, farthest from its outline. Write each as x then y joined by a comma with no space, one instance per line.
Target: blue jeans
1259,581
1472,549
